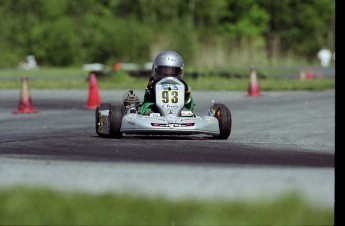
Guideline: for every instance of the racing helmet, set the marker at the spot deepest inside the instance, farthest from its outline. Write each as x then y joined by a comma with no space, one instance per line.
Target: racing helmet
167,64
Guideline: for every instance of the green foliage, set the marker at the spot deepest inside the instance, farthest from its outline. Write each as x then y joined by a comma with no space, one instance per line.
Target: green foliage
65,33
246,19
24,206
178,37
301,26
54,42
114,40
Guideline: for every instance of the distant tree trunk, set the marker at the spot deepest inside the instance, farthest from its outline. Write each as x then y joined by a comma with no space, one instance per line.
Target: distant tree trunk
272,47
191,6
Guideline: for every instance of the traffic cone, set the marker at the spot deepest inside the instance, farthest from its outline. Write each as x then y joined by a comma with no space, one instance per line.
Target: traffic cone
25,101
94,100
309,74
253,88
117,66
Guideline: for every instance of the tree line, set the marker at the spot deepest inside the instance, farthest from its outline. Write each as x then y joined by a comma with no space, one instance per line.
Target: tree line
70,33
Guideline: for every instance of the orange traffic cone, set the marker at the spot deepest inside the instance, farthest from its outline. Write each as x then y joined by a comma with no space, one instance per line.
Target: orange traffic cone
94,99
253,89
117,66
25,102
309,74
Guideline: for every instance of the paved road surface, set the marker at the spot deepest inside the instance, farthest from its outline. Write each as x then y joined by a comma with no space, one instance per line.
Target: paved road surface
280,142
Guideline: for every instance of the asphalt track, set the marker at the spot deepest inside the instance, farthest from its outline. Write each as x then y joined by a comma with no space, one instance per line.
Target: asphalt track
280,141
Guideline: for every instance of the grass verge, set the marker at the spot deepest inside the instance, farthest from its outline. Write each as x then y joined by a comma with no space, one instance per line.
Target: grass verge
30,206
74,79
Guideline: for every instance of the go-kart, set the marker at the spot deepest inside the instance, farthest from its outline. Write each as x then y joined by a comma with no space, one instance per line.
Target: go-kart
171,119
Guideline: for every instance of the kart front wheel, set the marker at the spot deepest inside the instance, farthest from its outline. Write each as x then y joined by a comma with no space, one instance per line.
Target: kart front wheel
99,108
115,118
223,114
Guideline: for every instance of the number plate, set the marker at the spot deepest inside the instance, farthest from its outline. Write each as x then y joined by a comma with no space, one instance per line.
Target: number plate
170,96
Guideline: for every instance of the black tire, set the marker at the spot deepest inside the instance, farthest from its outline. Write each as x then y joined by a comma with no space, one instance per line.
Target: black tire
115,117
223,114
100,107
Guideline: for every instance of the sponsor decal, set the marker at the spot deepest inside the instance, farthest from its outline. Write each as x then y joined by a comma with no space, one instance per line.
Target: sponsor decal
172,119
170,106
210,119
187,120
172,125
169,86
131,117
168,59
154,118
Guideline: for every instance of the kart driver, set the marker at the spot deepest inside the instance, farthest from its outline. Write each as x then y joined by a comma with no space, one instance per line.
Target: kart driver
166,64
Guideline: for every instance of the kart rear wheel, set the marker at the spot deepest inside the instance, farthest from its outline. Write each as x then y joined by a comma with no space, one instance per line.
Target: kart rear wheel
100,107
223,114
115,117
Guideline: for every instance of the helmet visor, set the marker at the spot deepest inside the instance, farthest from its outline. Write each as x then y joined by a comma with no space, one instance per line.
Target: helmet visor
167,71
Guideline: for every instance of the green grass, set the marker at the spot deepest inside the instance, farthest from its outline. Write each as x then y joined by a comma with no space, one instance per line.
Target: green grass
44,72
54,78
219,83
30,206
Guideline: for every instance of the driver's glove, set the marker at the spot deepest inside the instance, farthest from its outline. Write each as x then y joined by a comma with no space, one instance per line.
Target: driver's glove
150,84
